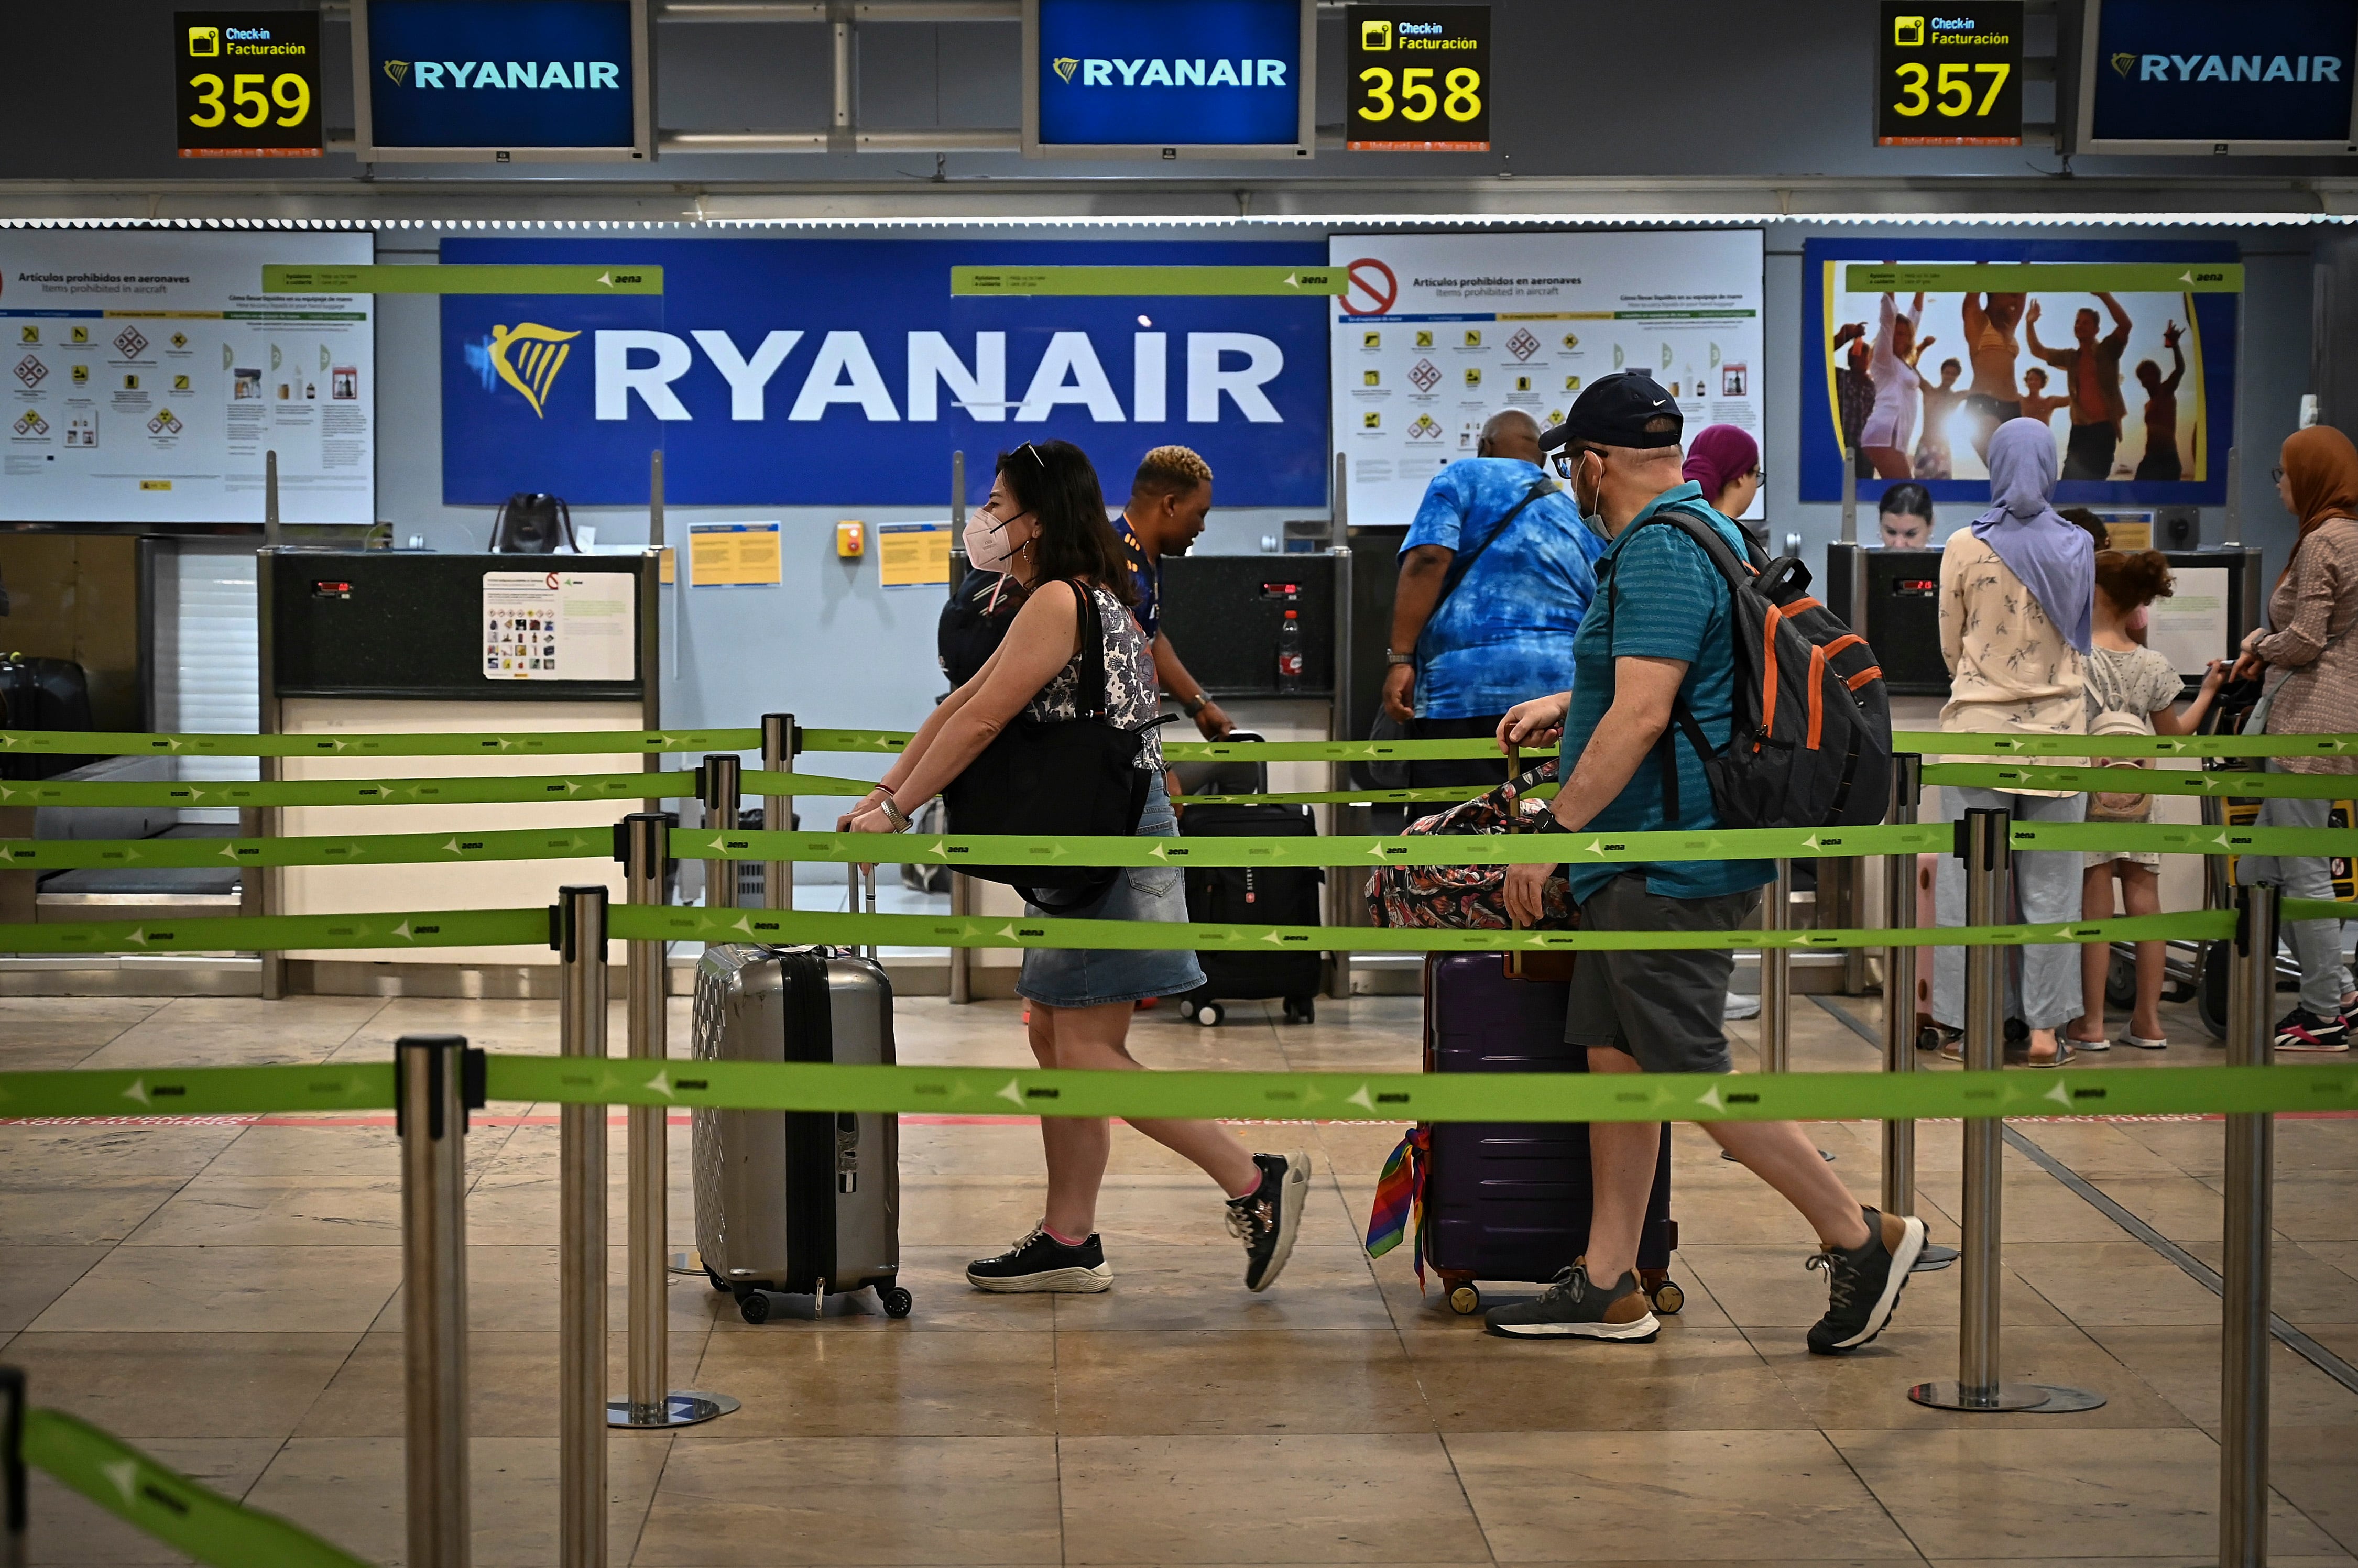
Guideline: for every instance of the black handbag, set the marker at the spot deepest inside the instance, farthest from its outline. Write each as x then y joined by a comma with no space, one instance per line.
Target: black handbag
1052,778
530,524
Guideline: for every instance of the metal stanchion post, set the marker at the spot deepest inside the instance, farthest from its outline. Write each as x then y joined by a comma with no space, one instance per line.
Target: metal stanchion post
716,792
579,937
781,743
640,843
13,1479
1900,1002
436,1080
2250,1220
1982,843
1776,973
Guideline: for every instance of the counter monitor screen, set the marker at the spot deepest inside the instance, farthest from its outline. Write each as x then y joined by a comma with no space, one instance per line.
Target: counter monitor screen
501,80
1169,79
2195,76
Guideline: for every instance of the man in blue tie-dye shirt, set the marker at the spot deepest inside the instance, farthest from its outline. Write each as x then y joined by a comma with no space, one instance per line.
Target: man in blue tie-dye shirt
1493,581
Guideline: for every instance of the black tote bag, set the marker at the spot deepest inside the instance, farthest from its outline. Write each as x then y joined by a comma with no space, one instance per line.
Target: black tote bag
1052,778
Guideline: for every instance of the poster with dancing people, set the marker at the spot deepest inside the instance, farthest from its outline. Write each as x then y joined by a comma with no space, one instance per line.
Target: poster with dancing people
1914,352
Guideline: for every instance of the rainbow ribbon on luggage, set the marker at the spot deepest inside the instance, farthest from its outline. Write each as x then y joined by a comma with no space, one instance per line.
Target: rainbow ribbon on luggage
1398,1209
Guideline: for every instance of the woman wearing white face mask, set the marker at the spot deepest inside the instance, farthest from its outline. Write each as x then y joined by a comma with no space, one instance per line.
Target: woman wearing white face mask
1045,527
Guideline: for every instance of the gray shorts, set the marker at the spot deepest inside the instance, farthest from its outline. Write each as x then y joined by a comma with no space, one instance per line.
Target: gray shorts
1663,1007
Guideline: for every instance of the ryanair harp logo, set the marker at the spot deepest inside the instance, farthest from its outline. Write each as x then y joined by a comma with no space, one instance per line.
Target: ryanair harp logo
541,355
397,70
1065,66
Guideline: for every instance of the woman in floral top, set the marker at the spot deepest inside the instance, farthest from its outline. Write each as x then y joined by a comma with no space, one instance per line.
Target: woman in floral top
1045,526
2018,589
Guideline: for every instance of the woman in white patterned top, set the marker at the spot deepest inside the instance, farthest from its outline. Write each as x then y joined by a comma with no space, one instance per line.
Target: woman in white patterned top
1045,526
2131,690
2016,593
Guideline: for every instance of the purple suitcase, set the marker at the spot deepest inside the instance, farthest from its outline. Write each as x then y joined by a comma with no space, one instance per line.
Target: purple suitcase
1509,1200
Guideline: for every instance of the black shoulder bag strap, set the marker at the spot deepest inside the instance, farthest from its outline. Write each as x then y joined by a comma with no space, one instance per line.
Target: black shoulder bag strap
1089,692
1465,563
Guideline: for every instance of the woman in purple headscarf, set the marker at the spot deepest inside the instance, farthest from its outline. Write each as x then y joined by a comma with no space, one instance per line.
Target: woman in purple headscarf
2018,595
1726,461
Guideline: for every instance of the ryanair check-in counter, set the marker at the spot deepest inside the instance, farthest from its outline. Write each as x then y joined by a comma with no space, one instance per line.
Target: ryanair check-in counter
396,642
1892,597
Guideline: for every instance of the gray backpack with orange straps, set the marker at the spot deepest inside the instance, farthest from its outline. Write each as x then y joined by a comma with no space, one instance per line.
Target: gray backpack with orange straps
1811,742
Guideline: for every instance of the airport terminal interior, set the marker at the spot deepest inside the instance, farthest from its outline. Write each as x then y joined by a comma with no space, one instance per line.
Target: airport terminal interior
602,602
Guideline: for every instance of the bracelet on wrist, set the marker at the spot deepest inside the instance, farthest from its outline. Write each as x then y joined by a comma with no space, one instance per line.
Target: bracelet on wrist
893,814
1192,705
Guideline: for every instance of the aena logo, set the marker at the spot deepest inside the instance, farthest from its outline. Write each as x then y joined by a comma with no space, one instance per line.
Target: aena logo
528,356
2228,68
1178,72
506,75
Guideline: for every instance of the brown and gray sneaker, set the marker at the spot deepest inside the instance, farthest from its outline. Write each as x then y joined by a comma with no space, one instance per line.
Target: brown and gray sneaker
1576,1307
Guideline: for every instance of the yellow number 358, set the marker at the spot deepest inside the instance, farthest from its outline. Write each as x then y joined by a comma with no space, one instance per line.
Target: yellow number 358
1955,92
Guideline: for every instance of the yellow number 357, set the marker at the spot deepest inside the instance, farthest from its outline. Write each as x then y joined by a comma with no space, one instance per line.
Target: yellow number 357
1953,95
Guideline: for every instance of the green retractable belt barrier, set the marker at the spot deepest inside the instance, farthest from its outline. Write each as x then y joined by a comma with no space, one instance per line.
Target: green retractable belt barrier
497,789
568,743
663,923
2148,780
1333,1097
1426,850
1494,849
167,1505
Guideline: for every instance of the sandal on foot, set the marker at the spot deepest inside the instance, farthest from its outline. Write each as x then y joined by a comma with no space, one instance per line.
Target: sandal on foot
2142,1043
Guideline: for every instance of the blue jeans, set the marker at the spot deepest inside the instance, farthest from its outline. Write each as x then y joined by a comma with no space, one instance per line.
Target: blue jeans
1092,977
2316,944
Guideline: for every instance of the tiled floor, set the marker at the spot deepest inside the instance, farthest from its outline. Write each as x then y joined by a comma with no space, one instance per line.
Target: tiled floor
227,1297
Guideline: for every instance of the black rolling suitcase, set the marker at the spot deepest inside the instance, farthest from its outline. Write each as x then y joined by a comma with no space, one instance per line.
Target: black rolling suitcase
1250,895
41,693
796,1203
1510,1200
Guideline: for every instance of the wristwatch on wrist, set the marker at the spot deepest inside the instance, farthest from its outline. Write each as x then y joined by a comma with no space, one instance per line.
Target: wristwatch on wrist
1192,705
893,814
1392,658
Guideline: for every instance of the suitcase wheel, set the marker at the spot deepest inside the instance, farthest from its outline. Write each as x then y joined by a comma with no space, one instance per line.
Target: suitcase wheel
897,1302
717,1281
1669,1298
754,1306
1300,1009
1464,1301
1209,1014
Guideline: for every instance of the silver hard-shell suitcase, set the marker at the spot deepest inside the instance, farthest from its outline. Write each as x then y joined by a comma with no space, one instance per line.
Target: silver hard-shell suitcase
797,1203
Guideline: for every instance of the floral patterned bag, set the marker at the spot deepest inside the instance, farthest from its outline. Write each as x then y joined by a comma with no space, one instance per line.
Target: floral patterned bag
1468,898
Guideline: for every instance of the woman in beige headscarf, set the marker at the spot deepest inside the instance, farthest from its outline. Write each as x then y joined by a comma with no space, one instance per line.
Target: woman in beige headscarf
2309,615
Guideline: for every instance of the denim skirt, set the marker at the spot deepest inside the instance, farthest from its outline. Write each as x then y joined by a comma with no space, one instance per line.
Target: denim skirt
1093,977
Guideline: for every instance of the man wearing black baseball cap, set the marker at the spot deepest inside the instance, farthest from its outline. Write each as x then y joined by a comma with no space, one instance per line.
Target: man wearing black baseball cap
1659,643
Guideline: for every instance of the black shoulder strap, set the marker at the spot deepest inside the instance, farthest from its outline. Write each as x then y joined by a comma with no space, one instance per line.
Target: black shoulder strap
1465,563
1089,698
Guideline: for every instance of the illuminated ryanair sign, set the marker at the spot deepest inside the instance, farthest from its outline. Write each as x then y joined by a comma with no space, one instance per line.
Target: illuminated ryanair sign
835,371
1157,77
500,77
2168,71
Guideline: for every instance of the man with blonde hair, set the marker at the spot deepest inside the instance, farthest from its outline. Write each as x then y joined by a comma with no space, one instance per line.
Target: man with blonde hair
1169,501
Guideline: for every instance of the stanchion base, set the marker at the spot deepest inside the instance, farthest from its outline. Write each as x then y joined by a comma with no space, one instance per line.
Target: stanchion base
2041,1399
1933,1259
686,1407
685,1263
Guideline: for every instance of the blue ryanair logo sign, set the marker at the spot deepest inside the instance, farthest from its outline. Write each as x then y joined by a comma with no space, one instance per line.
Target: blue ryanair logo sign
1178,72
2176,71
517,74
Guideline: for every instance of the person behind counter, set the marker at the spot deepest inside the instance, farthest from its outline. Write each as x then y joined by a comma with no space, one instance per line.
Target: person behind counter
1904,516
1170,498
2311,611
1496,572
1045,526
2017,589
